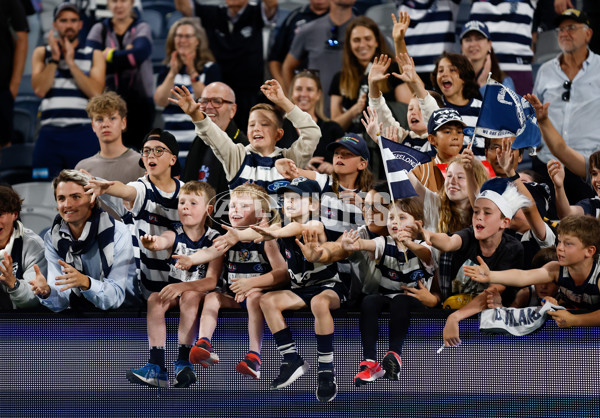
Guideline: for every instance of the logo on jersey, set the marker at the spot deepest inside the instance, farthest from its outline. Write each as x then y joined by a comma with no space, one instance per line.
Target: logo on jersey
244,255
203,173
153,219
258,268
288,254
231,267
417,275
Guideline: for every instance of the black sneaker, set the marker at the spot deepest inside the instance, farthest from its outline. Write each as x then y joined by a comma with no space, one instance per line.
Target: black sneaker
391,363
289,372
327,388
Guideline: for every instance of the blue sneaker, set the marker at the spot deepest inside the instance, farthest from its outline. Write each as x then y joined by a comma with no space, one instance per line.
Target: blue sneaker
149,375
184,374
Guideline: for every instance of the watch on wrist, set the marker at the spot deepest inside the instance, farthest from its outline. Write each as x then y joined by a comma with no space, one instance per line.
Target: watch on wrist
17,284
515,177
52,61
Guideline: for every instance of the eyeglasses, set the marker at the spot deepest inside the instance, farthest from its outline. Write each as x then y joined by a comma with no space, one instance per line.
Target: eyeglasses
566,96
305,71
217,102
158,151
333,38
184,36
569,28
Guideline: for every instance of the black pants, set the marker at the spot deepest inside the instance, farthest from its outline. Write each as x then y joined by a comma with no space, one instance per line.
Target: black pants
400,308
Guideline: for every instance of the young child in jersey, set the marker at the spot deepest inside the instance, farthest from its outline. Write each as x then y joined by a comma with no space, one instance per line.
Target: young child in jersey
407,269
152,201
493,209
255,163
576,272
317,286
250,269
186,289
342,193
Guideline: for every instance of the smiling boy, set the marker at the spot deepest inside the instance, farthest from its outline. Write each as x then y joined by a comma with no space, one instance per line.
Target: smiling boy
576,272
256,162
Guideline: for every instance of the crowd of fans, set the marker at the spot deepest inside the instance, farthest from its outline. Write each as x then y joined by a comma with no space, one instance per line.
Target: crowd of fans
271,193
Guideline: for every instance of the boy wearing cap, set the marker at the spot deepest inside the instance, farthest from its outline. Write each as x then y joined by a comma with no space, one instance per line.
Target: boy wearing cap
445,127
152,201
255,163
65,74
494,207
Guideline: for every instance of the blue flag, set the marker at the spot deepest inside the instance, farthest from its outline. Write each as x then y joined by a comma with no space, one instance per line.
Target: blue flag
398,160
504,113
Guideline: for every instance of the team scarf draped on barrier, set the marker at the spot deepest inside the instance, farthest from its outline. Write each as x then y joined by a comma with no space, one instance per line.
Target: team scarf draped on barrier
504,113
398,160
515,321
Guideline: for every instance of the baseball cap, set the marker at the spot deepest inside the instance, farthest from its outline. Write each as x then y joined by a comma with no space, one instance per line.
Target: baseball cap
169,140
353,143
441,117
475,26
65,6
573,14
302,186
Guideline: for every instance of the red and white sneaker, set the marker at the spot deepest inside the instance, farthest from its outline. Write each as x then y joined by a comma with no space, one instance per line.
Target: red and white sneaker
203,354
391,363
369,372
249,366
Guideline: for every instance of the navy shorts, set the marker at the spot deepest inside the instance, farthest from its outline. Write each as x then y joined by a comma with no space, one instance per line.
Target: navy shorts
309,292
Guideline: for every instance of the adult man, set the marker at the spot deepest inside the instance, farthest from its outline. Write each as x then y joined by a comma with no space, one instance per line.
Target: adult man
90,255
218,102
320,43
235,35
570,83
286,33
65,74
13,55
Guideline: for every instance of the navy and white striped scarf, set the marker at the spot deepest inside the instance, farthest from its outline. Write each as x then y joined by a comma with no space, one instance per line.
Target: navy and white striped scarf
99,227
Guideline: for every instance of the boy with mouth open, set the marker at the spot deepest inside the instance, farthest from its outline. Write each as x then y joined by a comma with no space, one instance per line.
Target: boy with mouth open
494,207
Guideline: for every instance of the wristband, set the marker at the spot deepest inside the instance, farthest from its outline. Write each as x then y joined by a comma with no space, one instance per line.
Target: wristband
109,55
52,61
514,178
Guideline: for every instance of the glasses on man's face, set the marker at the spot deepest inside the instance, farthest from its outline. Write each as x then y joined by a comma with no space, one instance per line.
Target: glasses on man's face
566,96
333,38
216,102
568,28
158,151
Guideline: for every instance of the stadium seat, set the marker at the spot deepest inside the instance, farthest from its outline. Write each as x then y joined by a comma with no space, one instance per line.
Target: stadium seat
15,163
156,21
39,205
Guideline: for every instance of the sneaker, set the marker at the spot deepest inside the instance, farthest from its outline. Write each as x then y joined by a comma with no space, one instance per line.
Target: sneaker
203,354
150,375
369,372
391,363
289,372
249,366
327,388
184,374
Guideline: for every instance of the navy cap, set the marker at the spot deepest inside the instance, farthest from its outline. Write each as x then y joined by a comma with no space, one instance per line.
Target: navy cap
169,140
353,143
440,117
302,186
573,14
475,26
65,6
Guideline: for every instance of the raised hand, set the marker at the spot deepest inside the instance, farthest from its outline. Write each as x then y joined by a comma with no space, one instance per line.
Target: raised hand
97,188
227,240
391,133
401,24
379,69
72,278
273,91
55,48
183,98
266,234
149,242
349,240
556,171
541,110
39,285
371,123
7,277
480,273
408,74
311,248
506,157
287,168
467,158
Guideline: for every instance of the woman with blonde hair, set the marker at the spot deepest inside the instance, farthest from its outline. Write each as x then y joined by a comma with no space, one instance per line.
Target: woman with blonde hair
189,62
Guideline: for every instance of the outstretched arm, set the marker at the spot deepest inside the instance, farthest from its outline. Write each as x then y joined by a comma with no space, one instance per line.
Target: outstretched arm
513,277
573,160
113,188
563,207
